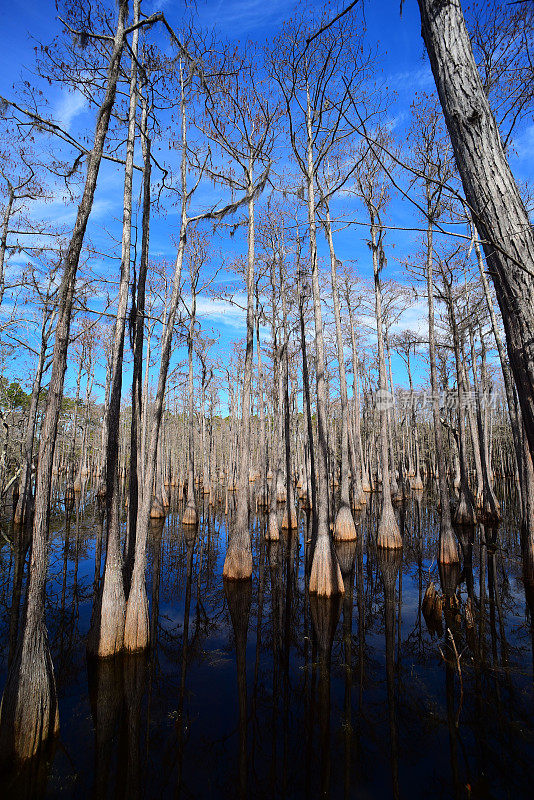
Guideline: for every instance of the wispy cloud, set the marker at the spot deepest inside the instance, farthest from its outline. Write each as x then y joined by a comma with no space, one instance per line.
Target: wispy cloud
245,15
413,318
155,5
69,106
222,311
411,80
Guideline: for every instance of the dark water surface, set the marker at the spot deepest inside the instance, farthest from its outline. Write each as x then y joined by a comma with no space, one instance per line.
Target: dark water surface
259,692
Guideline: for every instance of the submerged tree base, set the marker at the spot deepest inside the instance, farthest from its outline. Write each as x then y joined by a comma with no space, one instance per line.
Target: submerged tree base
272,533
137,623
190,516
432,608
344,527
388,535
238,562
464,513
29,717
490,512
157,510
448,550
289,520
346,553
106,635
325,576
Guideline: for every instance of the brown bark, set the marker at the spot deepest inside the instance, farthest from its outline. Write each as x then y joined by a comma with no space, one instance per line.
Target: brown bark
523,463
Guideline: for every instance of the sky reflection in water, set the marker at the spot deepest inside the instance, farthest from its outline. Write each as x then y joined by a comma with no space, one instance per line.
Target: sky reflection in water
254,691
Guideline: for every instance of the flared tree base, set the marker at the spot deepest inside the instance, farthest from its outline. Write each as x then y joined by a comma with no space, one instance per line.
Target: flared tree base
289,521
490,511
29,717
106,634
325,575
137,624
238,562
344,527
157,510
448,549
190,516
388,535
464,513
272,533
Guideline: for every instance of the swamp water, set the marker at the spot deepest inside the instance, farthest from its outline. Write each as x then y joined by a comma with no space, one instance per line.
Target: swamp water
257,691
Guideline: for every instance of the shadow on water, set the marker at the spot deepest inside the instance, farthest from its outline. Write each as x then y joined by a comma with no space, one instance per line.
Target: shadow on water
255,689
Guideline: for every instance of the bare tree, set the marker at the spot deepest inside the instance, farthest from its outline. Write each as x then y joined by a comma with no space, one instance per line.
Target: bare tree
315,83
373,191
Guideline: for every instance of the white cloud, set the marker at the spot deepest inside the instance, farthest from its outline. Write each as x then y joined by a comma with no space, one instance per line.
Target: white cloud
245,15
69,106
414,318
222,311
411,80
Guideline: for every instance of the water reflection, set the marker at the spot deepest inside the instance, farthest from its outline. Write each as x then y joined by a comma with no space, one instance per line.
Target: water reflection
255,689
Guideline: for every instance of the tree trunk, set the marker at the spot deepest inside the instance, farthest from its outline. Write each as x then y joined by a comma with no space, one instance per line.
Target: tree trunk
311,472
524,464
490,189
107,624
3,240
447,551
325,576
289,520
238,561
344,528
190,515
491,514
465,510
358,494
388,535
29,712
136,468
23,506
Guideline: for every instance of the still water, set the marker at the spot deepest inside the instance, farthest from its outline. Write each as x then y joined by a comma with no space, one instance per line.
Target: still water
257,691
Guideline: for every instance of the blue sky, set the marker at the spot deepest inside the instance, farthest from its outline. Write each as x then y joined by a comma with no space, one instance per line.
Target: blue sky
404,70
